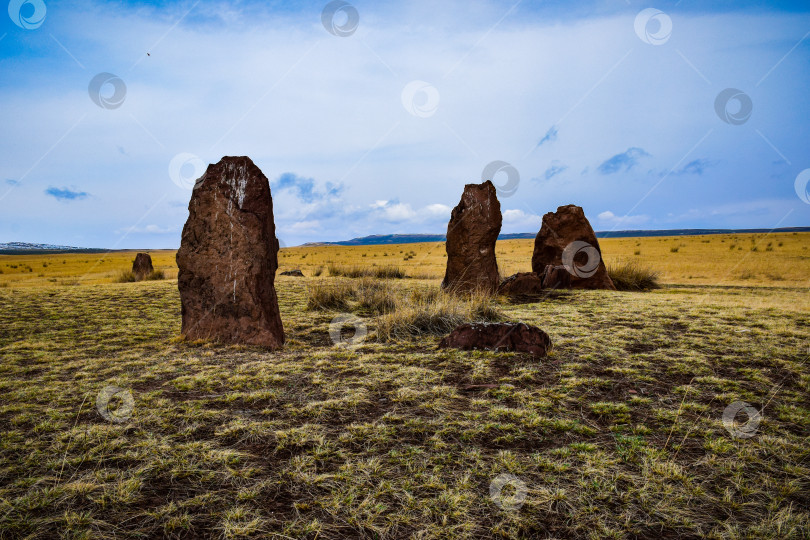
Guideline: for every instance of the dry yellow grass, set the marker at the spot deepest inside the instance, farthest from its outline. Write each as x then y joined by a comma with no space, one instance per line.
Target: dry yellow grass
780,259
775,260
76,268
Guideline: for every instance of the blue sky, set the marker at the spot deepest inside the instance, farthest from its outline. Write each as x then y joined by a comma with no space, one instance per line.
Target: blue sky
621,107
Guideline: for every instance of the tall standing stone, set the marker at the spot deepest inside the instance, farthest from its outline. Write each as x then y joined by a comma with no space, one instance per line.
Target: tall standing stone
471,235
567,239
228,258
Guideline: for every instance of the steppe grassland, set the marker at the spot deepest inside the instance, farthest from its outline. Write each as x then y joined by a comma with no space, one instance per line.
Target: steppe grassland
617,433
76,268
775,260
779,260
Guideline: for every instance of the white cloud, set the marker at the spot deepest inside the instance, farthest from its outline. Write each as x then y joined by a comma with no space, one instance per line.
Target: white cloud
148,229
300,227
609,218
519,221
438,211
398,212
405,213
510,216
738,214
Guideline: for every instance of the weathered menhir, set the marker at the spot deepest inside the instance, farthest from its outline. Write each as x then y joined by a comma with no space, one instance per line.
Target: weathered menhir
228,258
562,230
471,235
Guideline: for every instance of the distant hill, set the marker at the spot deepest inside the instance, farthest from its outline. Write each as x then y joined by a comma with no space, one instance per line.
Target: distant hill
36,247
694,232
24,248
379,239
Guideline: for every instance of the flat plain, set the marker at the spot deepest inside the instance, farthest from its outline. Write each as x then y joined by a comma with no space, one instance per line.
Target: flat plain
618,433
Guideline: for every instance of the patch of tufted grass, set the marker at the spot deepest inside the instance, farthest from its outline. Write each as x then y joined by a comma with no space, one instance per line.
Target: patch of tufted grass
359,271
435,315
366,294
632,276
128,276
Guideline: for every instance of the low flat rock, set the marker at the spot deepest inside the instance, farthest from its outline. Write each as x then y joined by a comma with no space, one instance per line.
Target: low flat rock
296,273
509,337
522,284
556,277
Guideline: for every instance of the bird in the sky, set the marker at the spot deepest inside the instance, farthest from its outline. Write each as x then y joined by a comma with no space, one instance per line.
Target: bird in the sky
147,54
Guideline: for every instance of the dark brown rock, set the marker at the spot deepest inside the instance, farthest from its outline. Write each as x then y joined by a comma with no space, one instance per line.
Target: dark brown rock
522,284
567,239
296,273
142,266
556,277
517,337
228,258
471,235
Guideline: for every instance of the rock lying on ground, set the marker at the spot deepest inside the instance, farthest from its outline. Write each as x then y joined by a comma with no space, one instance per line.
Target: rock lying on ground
517,337
567,239
296,273
522,284
529,284
142,266
556,277
228,258
471,235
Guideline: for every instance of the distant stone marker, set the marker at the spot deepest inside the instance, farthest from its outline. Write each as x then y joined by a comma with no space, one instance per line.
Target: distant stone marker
228,258
471,235
142,266
567,239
